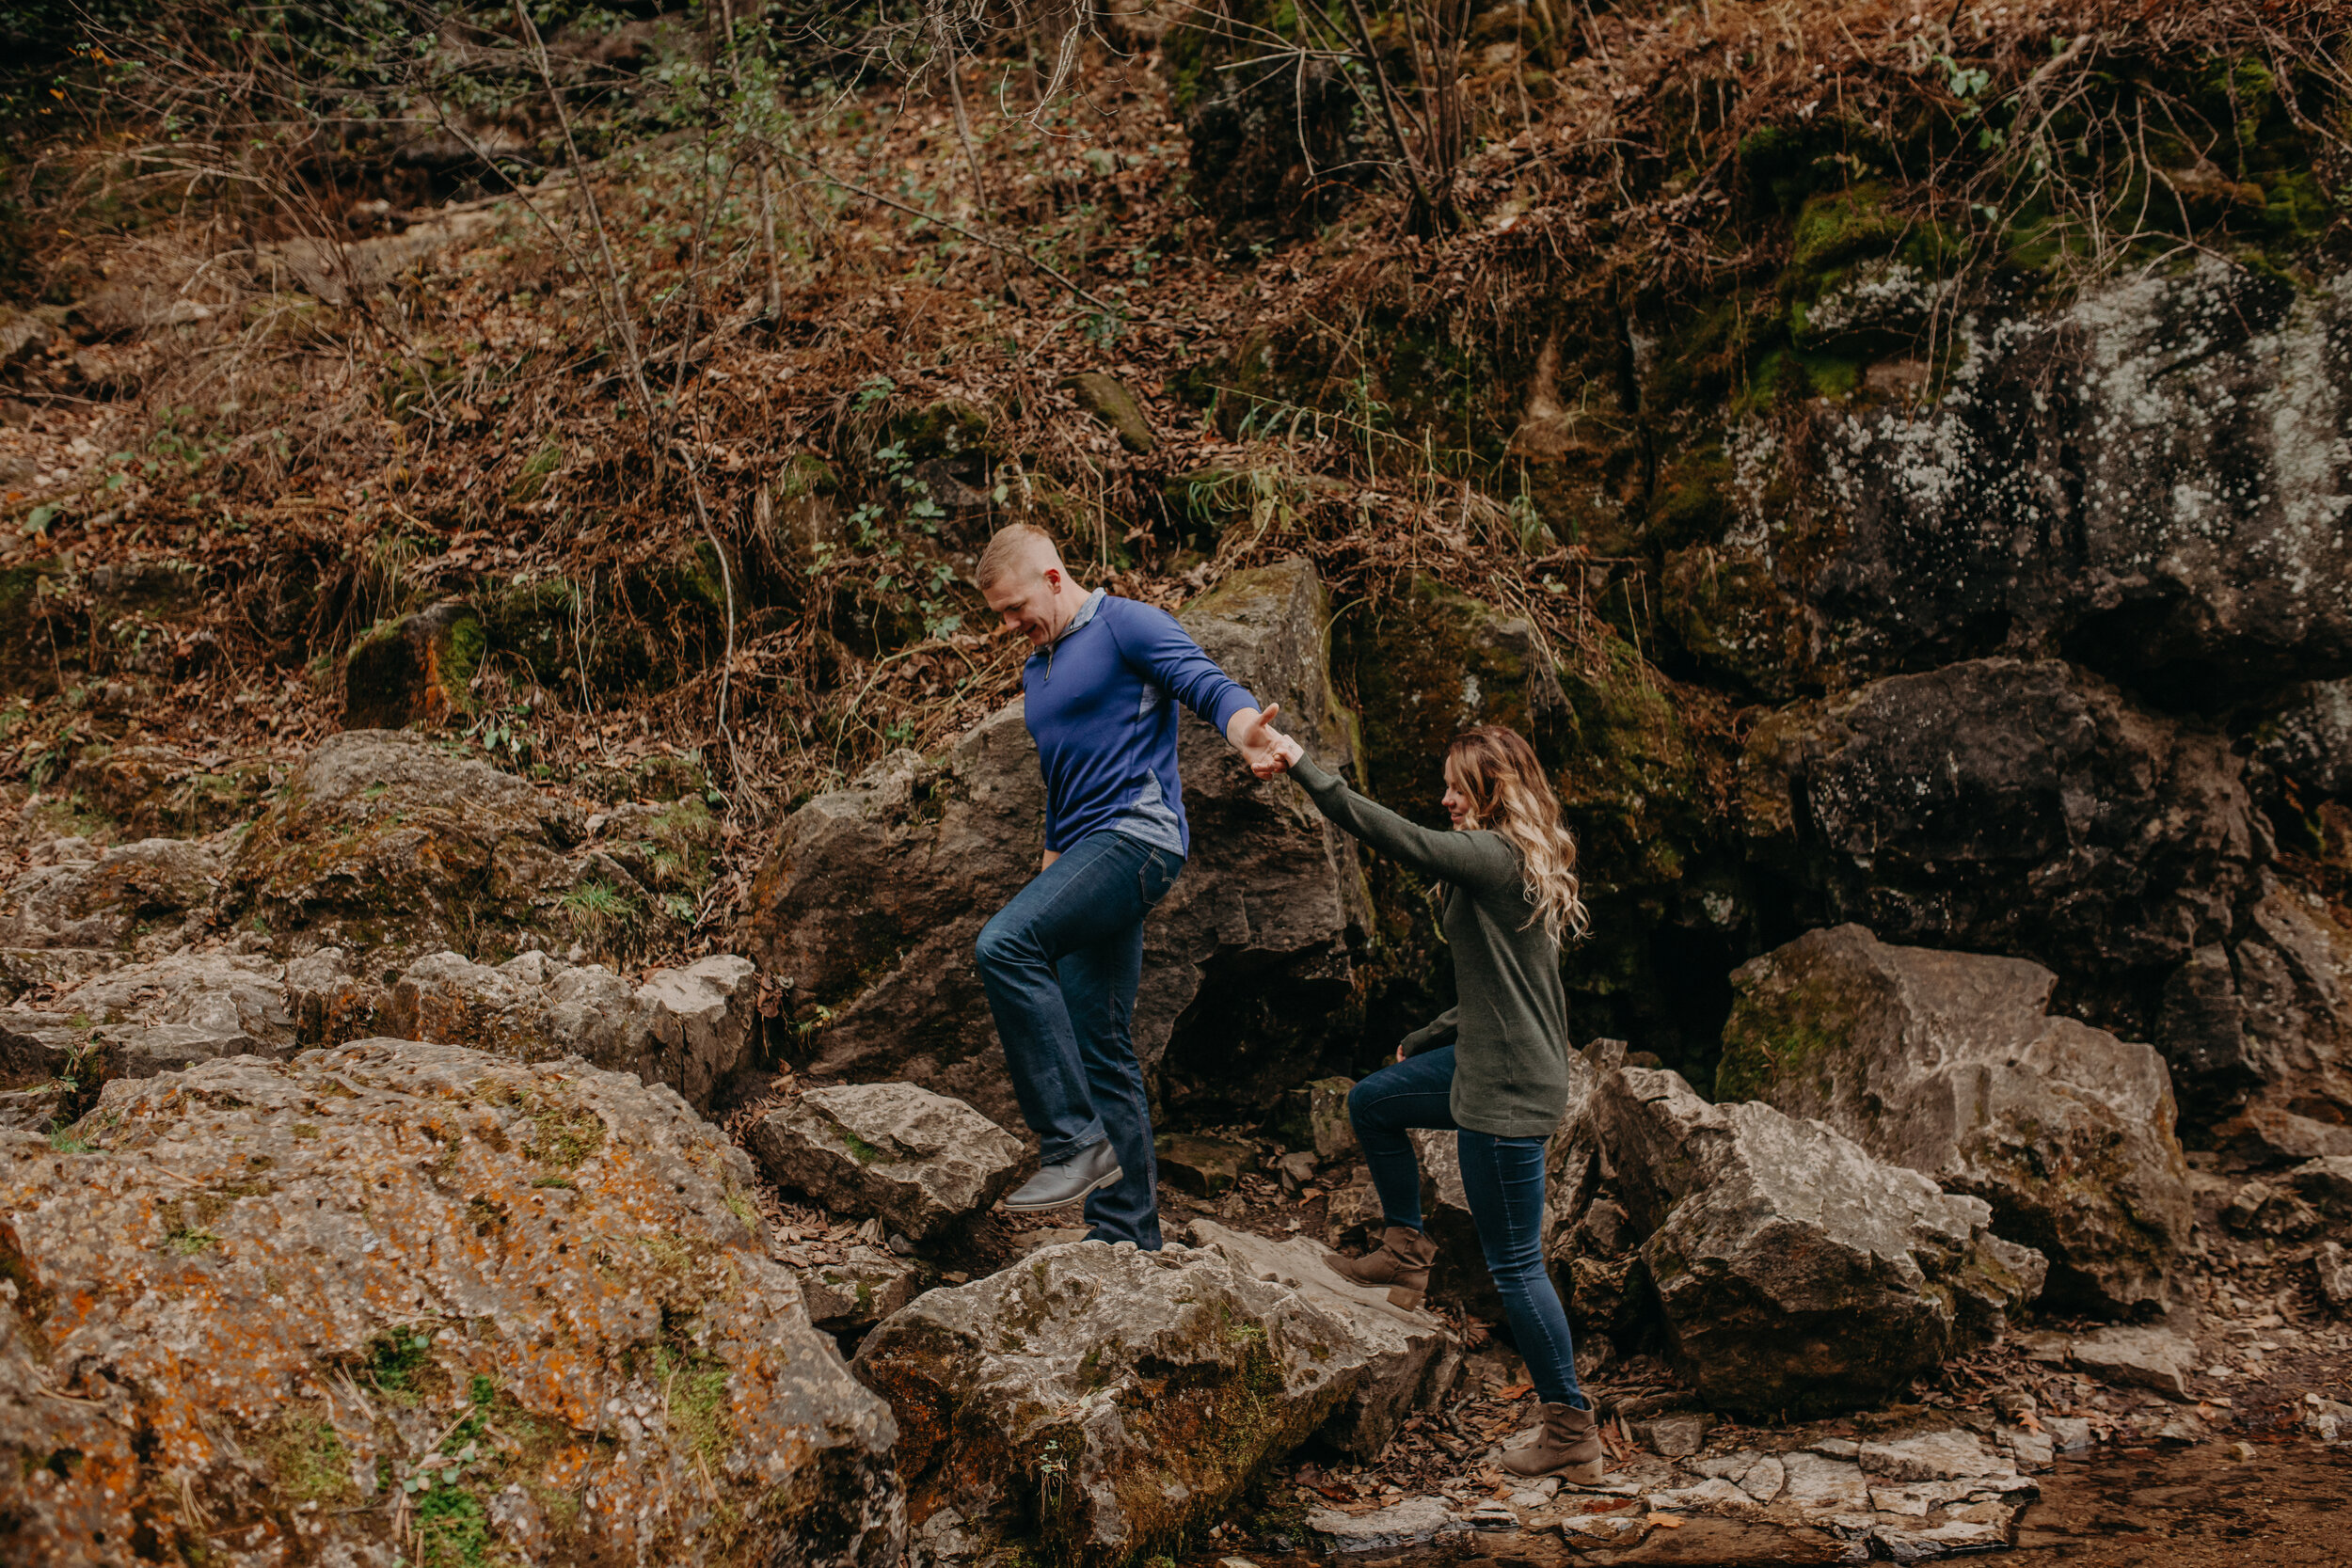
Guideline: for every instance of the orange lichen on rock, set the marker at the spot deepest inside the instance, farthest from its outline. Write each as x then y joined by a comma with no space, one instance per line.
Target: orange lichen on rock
464,1299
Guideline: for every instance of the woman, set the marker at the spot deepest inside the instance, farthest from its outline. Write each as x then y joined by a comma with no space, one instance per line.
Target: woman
1495,1066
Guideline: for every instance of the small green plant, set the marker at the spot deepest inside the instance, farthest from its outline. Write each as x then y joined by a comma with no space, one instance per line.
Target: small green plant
452,1531
395,1359
308,1458
187,1241
598,911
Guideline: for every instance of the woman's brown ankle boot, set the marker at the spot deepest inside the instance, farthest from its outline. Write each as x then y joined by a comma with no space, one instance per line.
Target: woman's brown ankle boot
1401,1262
1566,1445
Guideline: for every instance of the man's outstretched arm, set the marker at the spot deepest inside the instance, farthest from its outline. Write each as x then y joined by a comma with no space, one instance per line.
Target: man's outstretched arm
1154,642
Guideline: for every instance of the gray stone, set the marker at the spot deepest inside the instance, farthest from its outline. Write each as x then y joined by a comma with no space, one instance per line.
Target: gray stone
1712,1496
1819,1484
2032,1450
919,1160
149,896
34,1110
191,1006
1410,1361
1677,1436
1934,1456
2332,1270
872,897
862,1289
248,1236
1793,1271
2259,1032
1204,1166
1327,1122
2069,1434
1947,1063
1414,1522
1949,1538
2138,1358
1762,1477
1122,1396
693,1028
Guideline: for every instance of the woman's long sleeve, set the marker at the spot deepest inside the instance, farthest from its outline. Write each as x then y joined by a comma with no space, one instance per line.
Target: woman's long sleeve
1480,861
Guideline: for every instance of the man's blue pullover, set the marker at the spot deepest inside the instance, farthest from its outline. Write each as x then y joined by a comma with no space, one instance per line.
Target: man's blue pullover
1096,701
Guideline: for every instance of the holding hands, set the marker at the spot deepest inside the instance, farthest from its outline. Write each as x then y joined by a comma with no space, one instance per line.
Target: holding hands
1267,749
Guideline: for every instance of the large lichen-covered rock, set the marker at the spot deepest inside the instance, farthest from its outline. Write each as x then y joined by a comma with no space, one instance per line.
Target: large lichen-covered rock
921,1162
2149,475
417,670
1098,1401
399,1299
2009,806
1950,1064
1410,1360
872,897
386,841
1793,1271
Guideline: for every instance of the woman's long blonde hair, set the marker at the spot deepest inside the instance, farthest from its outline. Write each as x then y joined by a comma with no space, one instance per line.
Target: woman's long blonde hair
1509,795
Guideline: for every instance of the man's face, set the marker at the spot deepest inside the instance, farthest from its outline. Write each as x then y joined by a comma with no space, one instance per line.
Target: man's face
1029,602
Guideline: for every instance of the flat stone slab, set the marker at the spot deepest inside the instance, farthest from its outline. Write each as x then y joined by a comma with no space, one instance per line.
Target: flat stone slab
1414,1522
2125,1358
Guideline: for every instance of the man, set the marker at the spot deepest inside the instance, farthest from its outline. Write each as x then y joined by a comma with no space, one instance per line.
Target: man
1061,961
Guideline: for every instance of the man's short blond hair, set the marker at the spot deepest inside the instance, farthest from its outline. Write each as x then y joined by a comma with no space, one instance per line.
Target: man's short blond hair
1010,548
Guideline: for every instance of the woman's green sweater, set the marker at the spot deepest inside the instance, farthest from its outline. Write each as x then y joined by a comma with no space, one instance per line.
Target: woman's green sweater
1510,1027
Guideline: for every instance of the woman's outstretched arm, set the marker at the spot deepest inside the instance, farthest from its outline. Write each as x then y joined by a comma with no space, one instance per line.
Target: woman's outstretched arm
1476,860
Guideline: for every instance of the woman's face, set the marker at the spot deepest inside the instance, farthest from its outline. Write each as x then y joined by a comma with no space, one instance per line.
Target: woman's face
1458,800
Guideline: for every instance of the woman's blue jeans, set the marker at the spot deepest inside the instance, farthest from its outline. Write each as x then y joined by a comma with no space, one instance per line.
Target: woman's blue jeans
1060,963
1503,1180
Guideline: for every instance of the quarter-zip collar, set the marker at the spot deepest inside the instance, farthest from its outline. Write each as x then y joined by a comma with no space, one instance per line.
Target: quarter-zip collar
1086,613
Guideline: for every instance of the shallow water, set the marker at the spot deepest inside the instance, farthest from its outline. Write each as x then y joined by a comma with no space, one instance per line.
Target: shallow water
2289,1506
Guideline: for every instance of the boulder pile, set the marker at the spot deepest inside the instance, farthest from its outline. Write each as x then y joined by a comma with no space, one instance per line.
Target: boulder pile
1947,1064
1793,1271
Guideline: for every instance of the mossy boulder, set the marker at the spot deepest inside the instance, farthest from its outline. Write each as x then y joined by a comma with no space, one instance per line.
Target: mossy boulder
1633,757
1108,400
147,791
385,840
399,1298
417,670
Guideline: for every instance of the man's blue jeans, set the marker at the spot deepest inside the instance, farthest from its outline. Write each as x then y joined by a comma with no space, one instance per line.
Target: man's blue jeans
1062,964
1503,1180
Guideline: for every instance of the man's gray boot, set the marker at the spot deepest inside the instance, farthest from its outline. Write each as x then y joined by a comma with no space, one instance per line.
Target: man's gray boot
1059,1186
